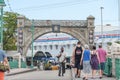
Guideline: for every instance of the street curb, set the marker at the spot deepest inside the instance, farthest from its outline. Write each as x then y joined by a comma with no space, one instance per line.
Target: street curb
25,71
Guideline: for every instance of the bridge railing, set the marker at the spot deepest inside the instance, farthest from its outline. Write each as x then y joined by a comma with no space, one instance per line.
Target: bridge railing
114,54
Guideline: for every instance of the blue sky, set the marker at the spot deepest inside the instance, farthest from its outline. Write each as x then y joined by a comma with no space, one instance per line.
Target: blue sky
66,9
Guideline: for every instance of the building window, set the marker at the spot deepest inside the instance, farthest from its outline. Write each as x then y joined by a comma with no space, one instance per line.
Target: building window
68,45
39,47
51,47
74,45
45,47
56,46
35,47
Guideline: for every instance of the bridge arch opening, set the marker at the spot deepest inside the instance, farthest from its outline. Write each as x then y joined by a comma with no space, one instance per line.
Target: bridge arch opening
52,42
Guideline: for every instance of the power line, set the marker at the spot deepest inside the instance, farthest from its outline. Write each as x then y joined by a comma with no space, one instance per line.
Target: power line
56,5
9,6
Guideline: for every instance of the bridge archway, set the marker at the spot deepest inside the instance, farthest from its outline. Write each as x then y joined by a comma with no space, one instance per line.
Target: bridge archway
82,30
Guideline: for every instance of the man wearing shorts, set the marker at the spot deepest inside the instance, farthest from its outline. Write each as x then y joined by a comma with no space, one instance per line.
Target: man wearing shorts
76,58
102,55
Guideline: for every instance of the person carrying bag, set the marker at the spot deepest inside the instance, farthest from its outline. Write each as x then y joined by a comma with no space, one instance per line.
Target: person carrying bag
4,65
61,58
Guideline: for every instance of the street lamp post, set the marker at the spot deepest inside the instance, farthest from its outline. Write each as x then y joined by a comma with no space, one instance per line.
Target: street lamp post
118,17
32,31
2,4
102,25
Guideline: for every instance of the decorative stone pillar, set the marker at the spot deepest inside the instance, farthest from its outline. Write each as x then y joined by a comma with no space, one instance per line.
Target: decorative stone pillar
20,32
90,20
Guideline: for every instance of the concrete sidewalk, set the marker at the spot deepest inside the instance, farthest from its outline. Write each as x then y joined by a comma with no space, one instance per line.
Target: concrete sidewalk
90,76
19,71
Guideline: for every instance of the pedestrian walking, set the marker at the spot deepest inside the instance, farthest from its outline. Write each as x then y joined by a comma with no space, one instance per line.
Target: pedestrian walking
61,60
86,62
4,60
38,65
102,55
94,61
76,57
41,65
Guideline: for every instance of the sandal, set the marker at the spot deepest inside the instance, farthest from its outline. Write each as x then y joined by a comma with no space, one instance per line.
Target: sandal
83,78
78,76
100,77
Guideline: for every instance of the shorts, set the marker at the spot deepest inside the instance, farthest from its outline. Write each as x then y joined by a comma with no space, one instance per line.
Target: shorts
78,66
102,65
1,75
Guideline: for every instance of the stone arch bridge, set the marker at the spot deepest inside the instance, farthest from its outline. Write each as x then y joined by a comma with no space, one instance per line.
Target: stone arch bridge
29,30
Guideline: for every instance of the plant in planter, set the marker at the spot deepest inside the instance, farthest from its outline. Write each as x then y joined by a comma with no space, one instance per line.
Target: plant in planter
109,43
117,42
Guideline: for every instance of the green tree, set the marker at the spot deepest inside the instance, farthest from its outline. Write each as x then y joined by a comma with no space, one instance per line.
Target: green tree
117,42
109,43
10,26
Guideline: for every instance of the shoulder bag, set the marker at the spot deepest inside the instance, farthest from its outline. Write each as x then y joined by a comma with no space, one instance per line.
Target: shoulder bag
3,67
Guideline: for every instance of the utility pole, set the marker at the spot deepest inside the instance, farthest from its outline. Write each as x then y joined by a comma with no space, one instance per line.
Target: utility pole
32,31
119,11
102,24
118,17
2,4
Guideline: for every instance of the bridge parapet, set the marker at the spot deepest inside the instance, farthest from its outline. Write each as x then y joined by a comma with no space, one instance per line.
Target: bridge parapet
67,23
114,52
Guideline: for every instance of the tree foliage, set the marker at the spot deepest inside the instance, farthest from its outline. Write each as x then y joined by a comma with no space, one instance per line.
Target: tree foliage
109,43
118,42
10,26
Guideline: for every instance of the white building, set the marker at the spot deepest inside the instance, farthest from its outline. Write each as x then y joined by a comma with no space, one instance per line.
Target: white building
52,43
110,33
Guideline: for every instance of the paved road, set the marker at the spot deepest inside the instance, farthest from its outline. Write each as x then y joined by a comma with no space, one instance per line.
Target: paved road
40,75
96,77
49,75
